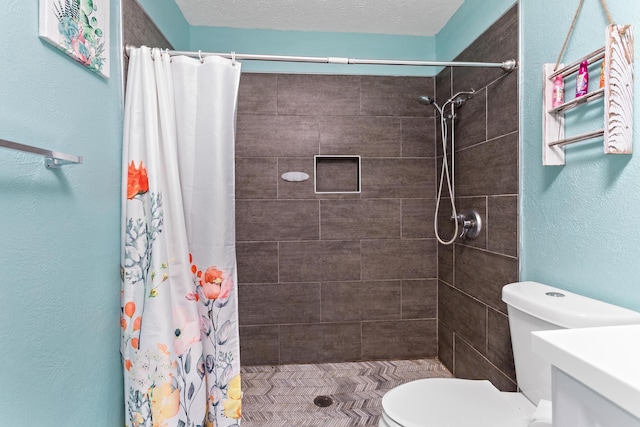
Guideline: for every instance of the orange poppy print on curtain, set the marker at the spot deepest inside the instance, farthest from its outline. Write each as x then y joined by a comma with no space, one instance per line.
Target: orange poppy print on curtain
137,180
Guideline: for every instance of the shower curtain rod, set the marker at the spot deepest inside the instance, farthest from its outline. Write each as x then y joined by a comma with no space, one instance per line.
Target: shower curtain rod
508,65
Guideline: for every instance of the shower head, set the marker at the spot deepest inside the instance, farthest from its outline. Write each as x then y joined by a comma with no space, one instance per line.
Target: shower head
426,100
459,98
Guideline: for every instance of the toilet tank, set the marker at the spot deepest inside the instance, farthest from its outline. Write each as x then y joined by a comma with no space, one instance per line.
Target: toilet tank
532,307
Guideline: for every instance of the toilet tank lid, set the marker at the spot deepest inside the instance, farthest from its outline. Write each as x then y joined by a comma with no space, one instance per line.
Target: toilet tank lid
563,308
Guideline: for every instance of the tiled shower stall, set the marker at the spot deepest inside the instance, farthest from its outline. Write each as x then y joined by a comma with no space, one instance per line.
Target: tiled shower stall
342,277
348,277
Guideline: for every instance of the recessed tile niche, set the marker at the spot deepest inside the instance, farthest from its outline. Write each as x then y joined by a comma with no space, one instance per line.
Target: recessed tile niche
337,174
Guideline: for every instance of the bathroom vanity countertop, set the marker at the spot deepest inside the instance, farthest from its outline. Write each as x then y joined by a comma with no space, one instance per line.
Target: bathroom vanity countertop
605,359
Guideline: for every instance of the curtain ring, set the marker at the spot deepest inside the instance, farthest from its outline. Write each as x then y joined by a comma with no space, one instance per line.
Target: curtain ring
233,59
200,56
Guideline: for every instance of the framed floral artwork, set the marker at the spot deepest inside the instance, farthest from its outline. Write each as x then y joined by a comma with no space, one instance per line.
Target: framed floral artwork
80,29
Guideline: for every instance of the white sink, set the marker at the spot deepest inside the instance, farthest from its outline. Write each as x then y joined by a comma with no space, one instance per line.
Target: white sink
605,359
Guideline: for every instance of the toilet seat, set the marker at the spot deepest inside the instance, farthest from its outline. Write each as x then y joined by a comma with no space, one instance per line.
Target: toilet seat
454,403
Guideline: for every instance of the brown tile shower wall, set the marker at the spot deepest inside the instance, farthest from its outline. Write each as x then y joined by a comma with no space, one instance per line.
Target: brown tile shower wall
474,340
326,277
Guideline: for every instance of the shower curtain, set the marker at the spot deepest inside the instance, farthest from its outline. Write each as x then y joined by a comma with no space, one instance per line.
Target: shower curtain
180,346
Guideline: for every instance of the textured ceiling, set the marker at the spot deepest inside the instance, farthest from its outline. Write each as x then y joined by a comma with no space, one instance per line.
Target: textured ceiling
404,17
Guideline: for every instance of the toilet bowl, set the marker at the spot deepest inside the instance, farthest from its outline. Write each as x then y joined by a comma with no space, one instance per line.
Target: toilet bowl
452,402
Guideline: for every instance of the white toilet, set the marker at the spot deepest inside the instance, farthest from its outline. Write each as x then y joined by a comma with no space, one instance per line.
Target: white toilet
452,402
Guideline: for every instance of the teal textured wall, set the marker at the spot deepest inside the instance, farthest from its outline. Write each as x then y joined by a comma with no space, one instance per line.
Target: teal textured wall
169,19
469,21
321,44
59,232
578,228
171,22
473,17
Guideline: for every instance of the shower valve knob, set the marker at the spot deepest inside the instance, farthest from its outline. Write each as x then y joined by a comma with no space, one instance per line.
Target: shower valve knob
471,224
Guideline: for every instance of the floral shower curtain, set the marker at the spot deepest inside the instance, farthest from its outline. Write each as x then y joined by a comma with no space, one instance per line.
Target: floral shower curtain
180,346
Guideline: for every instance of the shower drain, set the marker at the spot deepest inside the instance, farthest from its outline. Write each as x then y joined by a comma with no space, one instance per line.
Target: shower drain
323,401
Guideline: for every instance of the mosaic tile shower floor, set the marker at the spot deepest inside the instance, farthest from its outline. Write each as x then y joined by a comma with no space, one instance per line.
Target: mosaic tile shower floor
282,396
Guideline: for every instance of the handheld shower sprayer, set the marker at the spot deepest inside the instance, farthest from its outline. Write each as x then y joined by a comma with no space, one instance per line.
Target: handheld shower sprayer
426,100
470,223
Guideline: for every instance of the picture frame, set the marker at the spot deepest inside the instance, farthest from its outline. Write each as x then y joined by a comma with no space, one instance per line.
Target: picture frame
80,29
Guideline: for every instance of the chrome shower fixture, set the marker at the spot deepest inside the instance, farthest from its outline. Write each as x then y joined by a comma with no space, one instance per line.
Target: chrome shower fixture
426,100
456,100
461,97
469,222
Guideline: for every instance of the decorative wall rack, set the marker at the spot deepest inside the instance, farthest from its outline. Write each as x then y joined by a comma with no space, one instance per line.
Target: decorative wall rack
52,159
617,55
